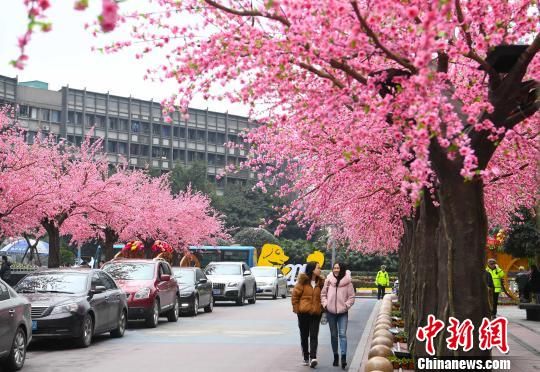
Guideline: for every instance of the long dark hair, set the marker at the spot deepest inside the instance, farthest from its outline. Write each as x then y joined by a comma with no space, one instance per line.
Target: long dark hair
342,271
310,266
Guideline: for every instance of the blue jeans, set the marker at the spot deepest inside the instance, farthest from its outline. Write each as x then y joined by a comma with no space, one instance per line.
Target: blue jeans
338,327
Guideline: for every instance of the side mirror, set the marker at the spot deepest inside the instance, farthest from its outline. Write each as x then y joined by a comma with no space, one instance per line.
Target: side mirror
98,289
203,281
165,278
247,272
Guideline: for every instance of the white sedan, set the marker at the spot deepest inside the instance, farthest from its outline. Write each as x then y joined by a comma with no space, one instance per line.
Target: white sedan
270,281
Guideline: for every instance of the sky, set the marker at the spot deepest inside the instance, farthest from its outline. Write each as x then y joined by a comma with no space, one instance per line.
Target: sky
64,56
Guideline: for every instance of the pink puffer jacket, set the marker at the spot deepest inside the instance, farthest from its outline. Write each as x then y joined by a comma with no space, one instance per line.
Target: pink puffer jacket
338,300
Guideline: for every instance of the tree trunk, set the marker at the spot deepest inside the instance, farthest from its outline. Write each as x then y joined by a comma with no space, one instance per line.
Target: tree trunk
426,293
148,247
111,237
54,242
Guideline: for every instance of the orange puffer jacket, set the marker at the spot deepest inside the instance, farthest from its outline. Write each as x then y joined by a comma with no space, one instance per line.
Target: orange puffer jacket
306,299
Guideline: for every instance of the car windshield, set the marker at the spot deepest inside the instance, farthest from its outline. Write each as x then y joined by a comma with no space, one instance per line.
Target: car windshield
130,271
263,271
184,276
223,270
54,282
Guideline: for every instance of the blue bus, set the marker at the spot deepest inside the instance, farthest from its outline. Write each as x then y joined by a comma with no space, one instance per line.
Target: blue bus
209,253
206,254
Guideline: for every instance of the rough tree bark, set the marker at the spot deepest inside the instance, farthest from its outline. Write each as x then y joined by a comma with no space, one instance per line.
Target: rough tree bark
53,231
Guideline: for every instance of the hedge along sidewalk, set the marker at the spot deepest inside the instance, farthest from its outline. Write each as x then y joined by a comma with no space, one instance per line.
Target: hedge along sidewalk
360,357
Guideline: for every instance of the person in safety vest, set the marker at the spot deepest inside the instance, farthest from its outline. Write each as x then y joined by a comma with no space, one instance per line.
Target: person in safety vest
497,275
382,281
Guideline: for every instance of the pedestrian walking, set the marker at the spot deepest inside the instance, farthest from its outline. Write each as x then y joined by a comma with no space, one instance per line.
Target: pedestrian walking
522,281
337,297
382,281
5,269
306,302
534,283
497,275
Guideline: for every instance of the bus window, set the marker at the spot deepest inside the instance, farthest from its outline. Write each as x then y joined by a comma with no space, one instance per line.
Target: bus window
236,255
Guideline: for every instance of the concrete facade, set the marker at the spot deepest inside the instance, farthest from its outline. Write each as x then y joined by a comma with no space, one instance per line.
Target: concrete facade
131,128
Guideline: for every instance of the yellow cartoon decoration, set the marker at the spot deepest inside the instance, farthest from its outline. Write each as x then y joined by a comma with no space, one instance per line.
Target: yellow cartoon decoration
316,256
272,255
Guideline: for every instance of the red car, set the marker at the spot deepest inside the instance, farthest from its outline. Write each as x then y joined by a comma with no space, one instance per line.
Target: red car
150,288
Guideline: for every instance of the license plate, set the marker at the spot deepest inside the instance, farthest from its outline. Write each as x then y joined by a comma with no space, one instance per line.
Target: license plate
34,325
216,291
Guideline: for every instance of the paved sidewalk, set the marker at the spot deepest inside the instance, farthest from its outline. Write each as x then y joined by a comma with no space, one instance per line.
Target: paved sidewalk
523,340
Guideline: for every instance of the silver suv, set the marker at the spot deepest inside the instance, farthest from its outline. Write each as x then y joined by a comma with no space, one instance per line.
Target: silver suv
232,281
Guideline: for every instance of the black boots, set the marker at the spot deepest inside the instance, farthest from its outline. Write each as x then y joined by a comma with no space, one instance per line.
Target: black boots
336,360
343,361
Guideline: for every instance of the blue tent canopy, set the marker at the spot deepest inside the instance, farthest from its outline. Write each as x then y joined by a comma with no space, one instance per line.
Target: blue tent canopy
19,246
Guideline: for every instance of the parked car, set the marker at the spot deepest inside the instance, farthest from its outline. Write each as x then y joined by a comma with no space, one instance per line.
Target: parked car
150,287
195,290
232,281
15,328
74,303
270,281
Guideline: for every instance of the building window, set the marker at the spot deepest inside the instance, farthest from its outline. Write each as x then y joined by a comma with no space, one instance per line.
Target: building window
212,137
122,148
71,117
111,146
90,120
211,159
134,149
192,134
233,138
200,119
191,156
201,135
124,106
30,136
145,128
33,112
100,121
135,126
123,125
220,159
24,111
55,116
144,150
155,129
113,123
220,138
165,131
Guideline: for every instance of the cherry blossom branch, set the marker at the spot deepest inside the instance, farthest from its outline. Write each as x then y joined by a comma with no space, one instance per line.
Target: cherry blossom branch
506,175
249,13
472,54
401,60
321,73
340,65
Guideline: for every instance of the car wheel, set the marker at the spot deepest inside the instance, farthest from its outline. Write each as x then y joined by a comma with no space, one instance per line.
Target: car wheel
210,307
153,318
87,330
16,357
254,298
195,308
274,296
122,323
241,297
172,315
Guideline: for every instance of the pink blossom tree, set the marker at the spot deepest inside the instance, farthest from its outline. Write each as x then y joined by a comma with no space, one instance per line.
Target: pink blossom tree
391,119
378,112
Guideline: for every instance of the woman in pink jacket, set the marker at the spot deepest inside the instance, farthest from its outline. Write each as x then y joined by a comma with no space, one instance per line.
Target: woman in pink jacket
337,297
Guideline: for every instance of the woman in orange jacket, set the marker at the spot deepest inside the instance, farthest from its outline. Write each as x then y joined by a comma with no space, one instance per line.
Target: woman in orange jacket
306,302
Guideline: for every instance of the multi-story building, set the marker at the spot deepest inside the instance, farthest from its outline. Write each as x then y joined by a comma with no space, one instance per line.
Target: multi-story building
131,128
